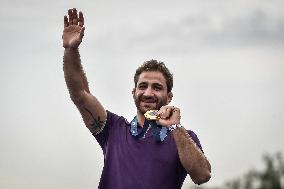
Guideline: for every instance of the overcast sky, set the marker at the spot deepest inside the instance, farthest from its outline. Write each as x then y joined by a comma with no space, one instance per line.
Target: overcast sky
226,57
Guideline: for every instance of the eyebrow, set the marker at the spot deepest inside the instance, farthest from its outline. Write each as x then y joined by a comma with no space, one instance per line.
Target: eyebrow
157,85
142,83
153,84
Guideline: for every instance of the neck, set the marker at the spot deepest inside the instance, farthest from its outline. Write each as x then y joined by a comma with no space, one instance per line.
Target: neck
140,118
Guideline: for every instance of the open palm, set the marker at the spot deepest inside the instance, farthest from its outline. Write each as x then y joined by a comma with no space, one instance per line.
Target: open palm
73,29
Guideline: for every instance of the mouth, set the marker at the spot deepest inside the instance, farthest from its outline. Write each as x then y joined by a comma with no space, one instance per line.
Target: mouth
148,104
148,101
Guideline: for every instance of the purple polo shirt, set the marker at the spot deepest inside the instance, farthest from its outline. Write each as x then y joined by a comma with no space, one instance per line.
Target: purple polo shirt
131,163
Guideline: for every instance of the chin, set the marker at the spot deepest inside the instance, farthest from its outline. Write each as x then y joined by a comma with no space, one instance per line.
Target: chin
144,109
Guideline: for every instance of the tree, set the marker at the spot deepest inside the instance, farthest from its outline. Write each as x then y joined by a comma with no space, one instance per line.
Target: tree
271,177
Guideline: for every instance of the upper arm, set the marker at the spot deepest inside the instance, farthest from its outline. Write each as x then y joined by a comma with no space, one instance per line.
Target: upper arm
93,113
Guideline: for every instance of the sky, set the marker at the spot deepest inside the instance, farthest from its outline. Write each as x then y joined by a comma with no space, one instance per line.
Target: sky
227,62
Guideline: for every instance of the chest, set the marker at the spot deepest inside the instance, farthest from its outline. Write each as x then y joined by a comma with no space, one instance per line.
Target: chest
122,145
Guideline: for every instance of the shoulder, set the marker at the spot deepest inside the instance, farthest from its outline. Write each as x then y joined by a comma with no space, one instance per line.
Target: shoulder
114,119
112,128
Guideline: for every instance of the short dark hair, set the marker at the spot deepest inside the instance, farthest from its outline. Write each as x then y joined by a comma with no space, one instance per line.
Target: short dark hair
154,65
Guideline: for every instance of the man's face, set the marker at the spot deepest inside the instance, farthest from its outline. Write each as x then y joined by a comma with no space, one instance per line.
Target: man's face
151,92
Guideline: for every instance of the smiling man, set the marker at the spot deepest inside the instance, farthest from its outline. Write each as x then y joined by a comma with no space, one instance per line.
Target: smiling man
152,151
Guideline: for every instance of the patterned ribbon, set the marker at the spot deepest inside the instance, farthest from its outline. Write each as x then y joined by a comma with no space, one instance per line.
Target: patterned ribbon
159,133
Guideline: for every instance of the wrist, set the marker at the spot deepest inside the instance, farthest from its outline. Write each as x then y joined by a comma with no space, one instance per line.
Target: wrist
174,127
71,49
71,52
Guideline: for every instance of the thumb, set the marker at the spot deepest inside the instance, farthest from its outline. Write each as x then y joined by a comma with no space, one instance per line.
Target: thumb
163,122
82,31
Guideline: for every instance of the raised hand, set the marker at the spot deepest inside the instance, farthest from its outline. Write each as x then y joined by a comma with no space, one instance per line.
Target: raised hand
73,29
169,115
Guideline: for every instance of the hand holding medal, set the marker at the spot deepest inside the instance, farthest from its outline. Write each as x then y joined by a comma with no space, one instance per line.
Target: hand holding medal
166,116
169,115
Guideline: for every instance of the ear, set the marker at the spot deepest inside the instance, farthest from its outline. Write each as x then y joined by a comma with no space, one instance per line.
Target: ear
170,97
133,93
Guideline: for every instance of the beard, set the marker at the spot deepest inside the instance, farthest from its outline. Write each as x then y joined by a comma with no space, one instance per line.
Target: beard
154,103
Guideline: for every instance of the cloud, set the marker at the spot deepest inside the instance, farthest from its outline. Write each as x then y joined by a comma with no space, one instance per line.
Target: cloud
222,26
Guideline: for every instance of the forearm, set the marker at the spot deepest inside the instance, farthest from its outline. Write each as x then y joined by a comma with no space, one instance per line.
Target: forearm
93,113
75,77
191,157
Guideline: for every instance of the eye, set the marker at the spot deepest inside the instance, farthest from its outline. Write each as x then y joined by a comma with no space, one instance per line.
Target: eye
142,86
158,87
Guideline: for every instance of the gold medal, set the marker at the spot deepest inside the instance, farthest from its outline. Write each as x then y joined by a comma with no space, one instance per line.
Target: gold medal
152,115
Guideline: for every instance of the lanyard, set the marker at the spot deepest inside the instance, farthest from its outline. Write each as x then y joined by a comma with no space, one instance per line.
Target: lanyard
158,134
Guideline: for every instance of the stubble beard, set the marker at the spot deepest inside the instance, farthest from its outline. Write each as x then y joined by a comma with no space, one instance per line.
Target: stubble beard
158,104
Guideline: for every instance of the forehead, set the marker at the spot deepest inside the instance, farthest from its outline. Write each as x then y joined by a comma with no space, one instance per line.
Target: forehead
152,77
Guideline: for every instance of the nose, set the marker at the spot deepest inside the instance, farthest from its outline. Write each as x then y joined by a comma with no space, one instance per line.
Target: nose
148,91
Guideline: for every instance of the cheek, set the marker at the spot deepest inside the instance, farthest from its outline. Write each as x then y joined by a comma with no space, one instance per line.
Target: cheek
162,96
163,99
136,96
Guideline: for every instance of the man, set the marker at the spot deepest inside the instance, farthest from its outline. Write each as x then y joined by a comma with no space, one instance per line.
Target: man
143,154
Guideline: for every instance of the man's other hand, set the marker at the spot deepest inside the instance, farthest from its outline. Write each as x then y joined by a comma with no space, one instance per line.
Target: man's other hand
73,29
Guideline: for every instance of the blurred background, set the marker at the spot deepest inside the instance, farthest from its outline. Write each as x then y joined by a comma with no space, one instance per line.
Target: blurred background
227,61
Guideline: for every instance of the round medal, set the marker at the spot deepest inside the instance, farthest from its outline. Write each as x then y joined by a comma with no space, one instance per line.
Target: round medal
152,115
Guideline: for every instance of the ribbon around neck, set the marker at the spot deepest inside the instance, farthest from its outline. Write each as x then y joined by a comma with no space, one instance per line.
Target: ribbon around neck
159,134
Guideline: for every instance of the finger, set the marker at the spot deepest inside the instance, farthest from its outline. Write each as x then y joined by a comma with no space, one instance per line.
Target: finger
82,31
176,110
75,16
168,112
164,112
70,16
160,112
66,24
176,114
81,19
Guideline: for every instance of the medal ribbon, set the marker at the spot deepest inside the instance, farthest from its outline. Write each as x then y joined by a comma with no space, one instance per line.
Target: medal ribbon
158,134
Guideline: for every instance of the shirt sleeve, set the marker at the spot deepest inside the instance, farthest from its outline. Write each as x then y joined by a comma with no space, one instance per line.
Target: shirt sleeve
195,139
112,122
103,136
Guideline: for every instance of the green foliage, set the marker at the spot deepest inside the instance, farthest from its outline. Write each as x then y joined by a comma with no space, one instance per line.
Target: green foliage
271,177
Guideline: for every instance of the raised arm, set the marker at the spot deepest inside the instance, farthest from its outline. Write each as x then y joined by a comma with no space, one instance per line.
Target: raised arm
93,113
